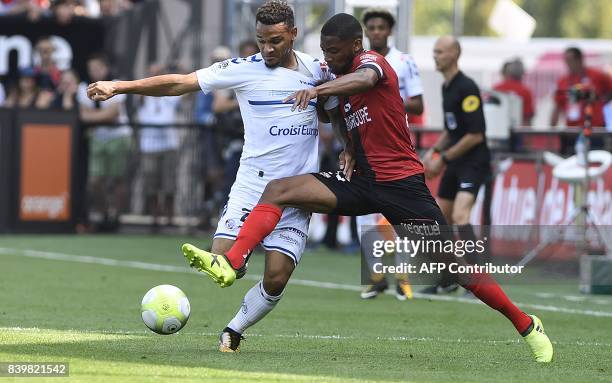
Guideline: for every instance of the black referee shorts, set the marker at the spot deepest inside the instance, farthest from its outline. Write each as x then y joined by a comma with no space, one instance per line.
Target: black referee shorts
403,201
465,176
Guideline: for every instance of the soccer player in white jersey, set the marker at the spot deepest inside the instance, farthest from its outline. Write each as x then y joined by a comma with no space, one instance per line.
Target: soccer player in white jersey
379,25
278,143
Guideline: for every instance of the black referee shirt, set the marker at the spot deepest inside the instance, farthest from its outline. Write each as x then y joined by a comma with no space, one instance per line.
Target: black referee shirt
463,114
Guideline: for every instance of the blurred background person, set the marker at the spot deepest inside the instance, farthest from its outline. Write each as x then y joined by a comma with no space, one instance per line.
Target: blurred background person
379,25
46,67
461,153
580,84
109,148
28,93
158,152
33,9
210,138
63,11
225,107
66,99
513,72
67,91
109,8
2,95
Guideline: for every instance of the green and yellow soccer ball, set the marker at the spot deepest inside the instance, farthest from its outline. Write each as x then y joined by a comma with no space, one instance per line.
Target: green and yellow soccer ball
165,309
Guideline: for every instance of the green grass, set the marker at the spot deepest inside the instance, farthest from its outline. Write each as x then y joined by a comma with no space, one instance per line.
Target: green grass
89,315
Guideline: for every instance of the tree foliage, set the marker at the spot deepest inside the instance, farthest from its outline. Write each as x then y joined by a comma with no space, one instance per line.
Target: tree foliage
555,18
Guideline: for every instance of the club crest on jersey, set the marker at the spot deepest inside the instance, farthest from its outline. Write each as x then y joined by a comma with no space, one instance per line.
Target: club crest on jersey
347,107
231,224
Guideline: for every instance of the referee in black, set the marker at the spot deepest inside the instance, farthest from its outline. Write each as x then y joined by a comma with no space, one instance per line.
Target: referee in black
461,152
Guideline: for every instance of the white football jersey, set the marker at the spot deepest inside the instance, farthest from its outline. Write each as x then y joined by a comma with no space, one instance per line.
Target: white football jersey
410,84
277,142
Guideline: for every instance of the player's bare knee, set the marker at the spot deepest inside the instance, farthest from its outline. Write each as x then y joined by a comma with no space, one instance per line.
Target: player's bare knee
276,191
275,284
461,217
275,280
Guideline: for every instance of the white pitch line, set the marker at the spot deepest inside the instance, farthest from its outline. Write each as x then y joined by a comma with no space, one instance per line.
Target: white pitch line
301,282
308,336
576,298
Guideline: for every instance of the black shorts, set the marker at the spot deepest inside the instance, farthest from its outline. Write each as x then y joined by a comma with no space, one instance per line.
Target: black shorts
402,201
463,177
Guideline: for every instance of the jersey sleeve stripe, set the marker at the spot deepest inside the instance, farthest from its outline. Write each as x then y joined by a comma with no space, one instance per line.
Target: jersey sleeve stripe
276,102
374,66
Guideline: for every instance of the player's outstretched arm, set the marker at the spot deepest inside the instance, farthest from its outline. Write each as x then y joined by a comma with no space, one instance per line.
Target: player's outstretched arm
164,85
359,81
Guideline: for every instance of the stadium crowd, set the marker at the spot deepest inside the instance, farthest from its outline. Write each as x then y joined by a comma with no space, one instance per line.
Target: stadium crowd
65,10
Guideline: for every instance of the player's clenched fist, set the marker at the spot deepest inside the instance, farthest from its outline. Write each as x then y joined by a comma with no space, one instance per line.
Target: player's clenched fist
101,90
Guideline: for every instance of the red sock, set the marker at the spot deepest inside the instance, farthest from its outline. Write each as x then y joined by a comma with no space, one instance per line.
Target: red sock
260,222
488,291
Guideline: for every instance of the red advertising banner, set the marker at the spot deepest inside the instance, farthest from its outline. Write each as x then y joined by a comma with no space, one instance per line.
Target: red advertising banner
526,194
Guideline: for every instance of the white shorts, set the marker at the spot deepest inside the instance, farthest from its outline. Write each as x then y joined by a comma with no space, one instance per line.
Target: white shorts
290,235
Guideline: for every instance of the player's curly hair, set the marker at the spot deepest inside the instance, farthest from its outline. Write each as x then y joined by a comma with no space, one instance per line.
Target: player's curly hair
275,12
384,14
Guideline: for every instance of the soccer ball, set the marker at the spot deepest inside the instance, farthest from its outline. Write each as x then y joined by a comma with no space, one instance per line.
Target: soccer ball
165,309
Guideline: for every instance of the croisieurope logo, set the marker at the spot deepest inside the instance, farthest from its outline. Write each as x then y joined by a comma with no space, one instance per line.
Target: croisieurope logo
294,130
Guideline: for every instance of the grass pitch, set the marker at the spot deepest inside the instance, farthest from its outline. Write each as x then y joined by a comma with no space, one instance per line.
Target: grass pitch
76,299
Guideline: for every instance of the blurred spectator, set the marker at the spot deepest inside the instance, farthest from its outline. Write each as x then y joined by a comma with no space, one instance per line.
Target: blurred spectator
87,8
379,25
33,9
64,11
581,85
248,48
159,149
108,148
28,93
608,116
109,8
2,95
513,72
204,114
225,107
67,90
46,67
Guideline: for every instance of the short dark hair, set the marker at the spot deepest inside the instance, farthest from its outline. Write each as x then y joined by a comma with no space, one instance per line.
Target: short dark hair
575,51
343,26
384,14
275,12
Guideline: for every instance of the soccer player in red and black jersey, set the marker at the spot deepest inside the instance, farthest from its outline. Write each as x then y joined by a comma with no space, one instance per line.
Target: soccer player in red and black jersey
385,176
